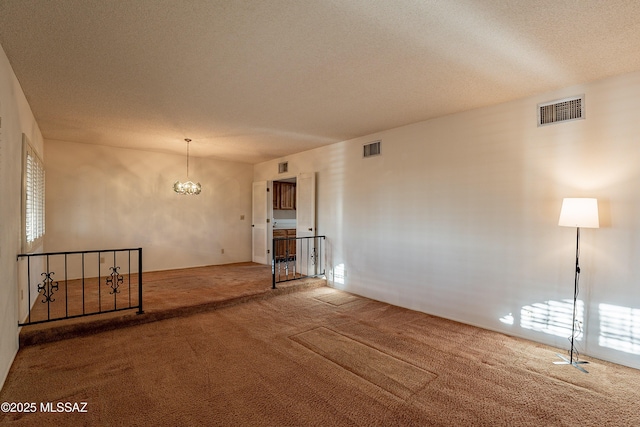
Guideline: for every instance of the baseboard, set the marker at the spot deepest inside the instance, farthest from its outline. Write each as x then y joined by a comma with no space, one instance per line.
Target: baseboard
5,373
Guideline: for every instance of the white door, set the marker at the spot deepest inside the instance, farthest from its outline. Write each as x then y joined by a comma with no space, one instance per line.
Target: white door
306,251
260,222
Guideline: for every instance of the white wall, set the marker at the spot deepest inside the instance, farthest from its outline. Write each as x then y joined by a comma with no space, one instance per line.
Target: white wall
458,217
16,119
101,197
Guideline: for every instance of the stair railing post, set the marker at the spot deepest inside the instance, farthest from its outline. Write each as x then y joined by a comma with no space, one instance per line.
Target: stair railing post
140,311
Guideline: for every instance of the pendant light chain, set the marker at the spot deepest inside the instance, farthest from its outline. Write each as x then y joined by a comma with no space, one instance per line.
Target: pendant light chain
188,141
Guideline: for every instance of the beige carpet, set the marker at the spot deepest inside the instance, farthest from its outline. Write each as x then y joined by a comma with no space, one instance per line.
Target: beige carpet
162,290
387,372
337,298
295,360
169,293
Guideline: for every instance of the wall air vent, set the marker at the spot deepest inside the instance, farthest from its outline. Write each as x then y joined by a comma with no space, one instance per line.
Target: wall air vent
372,149
283,167
562,110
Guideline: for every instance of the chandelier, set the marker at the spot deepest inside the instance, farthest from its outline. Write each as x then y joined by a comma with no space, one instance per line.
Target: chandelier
187,187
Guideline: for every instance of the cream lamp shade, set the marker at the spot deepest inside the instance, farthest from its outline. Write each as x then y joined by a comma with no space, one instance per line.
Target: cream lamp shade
579,212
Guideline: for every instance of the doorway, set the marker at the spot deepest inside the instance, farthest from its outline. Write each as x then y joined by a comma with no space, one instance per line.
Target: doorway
284,213
284,205
284,218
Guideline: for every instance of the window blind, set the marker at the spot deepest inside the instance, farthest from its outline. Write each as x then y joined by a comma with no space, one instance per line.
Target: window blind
34,198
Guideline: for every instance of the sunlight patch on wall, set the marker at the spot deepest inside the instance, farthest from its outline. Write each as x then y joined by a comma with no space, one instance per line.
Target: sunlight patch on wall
508,319
619,328
338,274
553,317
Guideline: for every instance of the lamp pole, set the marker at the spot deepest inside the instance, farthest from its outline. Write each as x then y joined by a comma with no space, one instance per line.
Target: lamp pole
577,213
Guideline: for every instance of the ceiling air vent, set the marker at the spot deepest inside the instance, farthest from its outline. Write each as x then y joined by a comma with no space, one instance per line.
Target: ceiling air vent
283,167
372,149
562,110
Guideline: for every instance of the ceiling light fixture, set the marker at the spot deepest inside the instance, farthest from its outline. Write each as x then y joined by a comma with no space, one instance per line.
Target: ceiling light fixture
189,187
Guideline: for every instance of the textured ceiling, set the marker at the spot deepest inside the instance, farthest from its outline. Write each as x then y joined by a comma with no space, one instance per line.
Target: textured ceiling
255,80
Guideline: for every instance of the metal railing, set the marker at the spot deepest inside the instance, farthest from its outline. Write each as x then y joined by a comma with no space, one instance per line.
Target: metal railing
296,258
90,282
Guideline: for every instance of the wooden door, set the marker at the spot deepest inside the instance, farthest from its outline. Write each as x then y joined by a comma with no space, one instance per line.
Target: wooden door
292,242
280,245
287,195
276,195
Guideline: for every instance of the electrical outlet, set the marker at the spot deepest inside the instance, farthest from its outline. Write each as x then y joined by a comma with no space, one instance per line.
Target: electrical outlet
241,217
222,251
101,260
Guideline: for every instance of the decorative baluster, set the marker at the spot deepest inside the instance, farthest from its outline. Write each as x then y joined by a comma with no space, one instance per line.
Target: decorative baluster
114,280
47,287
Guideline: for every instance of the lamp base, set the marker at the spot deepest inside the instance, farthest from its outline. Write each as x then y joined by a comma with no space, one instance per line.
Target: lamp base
576,363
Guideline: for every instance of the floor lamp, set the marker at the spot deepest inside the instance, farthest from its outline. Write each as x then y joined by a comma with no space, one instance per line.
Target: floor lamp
577,213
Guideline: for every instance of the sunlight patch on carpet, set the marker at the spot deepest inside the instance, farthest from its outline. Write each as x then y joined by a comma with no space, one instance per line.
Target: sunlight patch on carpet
337,298
387,372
